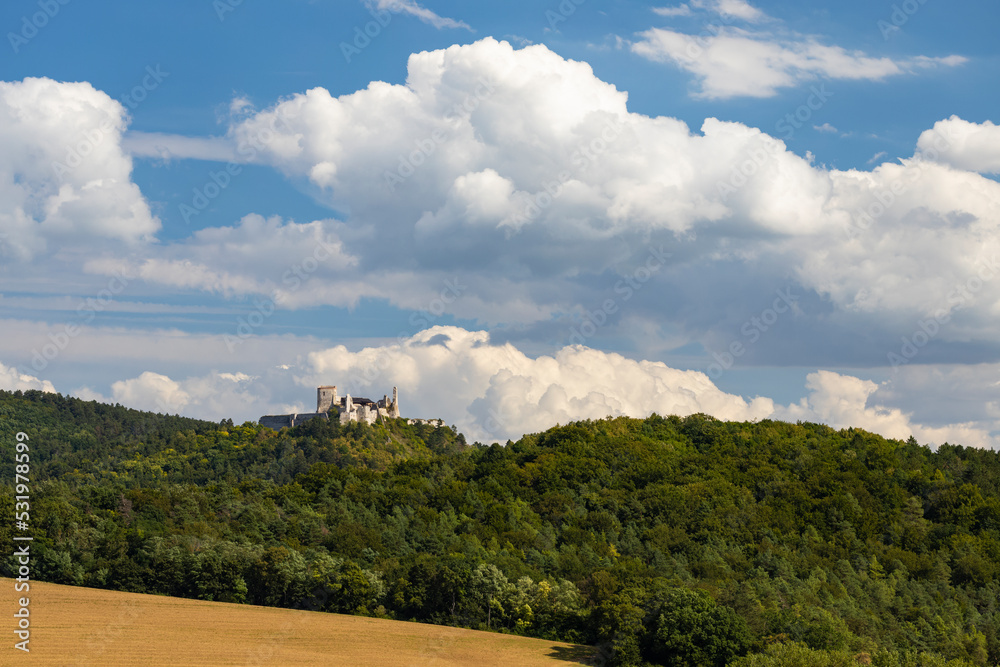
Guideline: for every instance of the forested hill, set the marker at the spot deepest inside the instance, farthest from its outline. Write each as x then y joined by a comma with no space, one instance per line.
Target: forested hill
675,541
74,439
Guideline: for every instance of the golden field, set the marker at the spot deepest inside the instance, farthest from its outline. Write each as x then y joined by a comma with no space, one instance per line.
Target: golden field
85,626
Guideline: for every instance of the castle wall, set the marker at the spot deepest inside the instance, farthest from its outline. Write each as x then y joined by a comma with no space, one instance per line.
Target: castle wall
304,417
278,422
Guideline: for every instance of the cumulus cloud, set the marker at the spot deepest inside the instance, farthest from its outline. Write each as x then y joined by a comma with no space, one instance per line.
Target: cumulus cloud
970,146
516,187
213,396
151,391
64,177
734,62
842,401
13,380
493,391
942,393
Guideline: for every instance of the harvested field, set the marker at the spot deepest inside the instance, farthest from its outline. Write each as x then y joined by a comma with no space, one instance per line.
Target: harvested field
85,626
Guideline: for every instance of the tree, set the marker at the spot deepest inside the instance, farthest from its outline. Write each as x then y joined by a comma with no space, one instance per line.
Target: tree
693,631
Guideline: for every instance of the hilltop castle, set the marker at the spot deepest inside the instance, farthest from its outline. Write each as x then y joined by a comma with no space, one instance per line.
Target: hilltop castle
348,409
356,409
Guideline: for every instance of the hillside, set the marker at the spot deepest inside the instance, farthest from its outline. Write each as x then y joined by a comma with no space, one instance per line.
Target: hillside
675,541
86,626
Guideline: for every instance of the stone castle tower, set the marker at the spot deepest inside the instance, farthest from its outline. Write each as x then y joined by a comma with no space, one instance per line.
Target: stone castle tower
356,409
325,398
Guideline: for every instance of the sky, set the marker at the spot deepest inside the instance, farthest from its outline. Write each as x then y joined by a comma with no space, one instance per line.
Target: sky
520,214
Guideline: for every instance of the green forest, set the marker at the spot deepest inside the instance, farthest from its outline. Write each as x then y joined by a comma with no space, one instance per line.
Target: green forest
661,541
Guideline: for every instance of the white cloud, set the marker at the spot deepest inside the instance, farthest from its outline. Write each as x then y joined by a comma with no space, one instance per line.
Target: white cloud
109,353
176,147
64,178
825,127
679,10
484,133
239,105
444,189
727,9
13,380
735,62
412,8
945,393
447,180
739,9
495,391
214,396
151,391
970,146
293,264
842,401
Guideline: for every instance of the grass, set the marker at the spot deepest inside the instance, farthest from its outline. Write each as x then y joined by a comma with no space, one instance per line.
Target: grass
86,626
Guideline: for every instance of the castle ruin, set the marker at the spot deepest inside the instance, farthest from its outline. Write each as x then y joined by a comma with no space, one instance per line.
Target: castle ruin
349,409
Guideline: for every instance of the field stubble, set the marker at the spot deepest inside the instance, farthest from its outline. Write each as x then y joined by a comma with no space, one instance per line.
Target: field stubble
91,627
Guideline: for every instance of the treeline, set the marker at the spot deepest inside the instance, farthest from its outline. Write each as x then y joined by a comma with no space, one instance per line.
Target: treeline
662,541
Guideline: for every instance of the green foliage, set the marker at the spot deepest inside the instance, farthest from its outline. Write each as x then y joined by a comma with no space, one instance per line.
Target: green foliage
662,541
693,631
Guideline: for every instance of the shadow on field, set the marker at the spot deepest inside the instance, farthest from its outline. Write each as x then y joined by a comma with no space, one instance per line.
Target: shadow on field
581,655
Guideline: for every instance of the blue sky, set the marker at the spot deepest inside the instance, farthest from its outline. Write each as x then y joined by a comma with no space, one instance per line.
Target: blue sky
520,213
